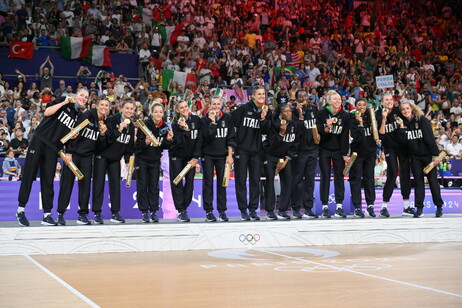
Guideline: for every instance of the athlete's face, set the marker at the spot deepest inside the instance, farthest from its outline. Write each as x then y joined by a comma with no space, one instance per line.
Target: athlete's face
127,110
406,110
388,101
361,107
215,105
259,96
183,109
335,101
157,113
81,98
102,108
286,114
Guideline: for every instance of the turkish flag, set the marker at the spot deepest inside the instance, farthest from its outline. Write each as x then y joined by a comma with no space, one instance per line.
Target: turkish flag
24,50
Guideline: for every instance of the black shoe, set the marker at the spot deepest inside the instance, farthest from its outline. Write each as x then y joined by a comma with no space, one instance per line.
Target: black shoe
370,211
410,211
296,214
340,213
49,221
326,212
83,220
439,211
183,217
419,213
61,220
154,217
98,220
209,217
245,216
145,218
283,215
358,213
253,216
22,219
384,212
223,217
309,214
271,216
116,218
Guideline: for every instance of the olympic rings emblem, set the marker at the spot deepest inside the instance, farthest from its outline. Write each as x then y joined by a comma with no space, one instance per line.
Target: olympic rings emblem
249,239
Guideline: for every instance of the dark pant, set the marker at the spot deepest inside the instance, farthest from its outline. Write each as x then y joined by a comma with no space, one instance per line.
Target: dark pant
39,156
208,166
147,185
285,176
418,163
393,156
242,163
326,158
303,172
66,185
101,165
363,171
181,194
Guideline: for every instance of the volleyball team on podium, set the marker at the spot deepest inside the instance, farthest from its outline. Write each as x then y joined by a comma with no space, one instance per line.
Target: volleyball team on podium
288,141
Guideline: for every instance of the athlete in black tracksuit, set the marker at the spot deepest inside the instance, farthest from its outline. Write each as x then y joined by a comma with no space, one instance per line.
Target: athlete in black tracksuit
60,117
147,163
185,148
120,142
333,148
82,150
280,143
247,119
417,133
396,155
362,171
218,144
306,159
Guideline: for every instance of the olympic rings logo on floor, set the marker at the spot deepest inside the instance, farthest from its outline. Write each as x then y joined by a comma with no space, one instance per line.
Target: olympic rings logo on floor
251,239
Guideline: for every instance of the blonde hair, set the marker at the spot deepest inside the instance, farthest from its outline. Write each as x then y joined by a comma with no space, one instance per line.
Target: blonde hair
385,94
416,111
330,94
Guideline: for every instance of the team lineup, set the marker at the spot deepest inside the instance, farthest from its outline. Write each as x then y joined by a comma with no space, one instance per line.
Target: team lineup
289,141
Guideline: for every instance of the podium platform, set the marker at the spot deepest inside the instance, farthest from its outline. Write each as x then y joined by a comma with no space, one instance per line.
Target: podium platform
169,235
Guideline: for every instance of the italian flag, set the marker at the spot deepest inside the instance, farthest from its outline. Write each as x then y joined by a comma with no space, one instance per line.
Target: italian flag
181,78
170,33
98,55
74,47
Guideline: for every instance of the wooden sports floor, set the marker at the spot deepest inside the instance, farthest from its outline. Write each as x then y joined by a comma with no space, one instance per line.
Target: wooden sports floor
391,275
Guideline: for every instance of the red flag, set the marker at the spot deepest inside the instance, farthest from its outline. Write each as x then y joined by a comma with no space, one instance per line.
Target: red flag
24,50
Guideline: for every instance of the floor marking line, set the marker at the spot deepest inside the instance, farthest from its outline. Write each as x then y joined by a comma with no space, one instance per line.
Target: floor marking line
360,273
62,282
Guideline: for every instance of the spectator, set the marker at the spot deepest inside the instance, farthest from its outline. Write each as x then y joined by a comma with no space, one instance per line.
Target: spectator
82,74
19,144
46,74
11,167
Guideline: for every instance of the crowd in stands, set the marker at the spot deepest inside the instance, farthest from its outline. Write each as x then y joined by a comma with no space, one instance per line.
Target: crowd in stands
322,44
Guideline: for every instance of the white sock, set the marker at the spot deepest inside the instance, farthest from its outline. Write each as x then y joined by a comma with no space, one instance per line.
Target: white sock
371,205
20,209
406,204
384,204
339,205
46,214
324,206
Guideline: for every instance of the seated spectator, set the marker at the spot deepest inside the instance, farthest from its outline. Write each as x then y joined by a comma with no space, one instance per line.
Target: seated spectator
19,144
11,167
